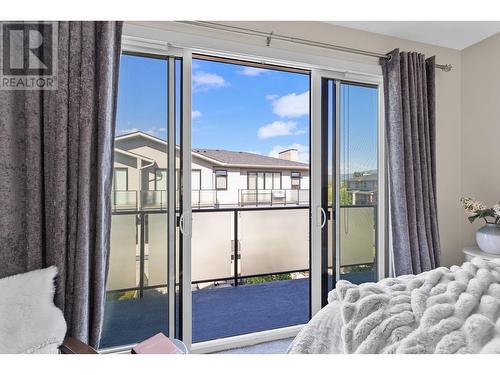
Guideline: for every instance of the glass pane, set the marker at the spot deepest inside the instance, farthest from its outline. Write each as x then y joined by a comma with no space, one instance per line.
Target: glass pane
156,250
277,181
221,182
120,179
196,180
260,180
136,299
274,241
253,244
161,179
211,260
269,180
252,181
123,267
358,181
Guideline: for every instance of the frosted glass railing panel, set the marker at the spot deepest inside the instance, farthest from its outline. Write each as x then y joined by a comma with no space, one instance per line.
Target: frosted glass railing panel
296,196
357,235
151,199
124,200
123,266
273,241
156,249
203,198
211,245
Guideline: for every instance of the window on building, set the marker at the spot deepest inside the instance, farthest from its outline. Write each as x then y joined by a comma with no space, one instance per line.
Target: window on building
195,179
277,180
220,179
161,179
295,176
260,181
264,180
120,179
252,181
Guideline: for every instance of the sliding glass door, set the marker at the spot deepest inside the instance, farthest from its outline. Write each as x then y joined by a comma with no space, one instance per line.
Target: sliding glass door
251,239
151,216
350,180
245,229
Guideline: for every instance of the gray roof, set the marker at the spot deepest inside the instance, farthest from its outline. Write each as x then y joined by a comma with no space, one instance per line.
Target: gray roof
231,158
246,158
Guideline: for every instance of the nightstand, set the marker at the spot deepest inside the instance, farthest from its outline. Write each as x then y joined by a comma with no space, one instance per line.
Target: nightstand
474,251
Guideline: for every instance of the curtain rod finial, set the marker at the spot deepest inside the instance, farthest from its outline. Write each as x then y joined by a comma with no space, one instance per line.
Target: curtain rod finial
448,67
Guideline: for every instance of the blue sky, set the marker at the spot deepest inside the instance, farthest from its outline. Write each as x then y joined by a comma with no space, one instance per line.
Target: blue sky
237,108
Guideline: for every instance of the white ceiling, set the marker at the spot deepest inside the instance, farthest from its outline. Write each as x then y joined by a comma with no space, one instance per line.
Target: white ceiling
451,34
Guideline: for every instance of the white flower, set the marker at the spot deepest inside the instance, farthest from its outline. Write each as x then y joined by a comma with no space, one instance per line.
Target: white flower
496,209
471,206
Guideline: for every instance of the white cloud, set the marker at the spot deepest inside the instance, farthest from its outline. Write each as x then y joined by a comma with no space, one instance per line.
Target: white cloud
195,114
125,131
203,81
303,151
251,71
291,105
279,128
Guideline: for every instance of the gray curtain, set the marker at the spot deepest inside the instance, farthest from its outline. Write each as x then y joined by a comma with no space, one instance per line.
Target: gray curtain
410,120
56,165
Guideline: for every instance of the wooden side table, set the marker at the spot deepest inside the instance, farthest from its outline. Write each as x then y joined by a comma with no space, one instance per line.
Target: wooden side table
474,251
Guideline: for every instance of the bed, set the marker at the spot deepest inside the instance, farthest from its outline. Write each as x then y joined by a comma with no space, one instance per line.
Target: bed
445,310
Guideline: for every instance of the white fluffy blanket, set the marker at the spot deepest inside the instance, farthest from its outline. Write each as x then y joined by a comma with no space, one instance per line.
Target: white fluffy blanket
29,320
445,310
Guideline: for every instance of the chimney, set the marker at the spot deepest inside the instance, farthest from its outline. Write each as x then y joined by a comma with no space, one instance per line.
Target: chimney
291,154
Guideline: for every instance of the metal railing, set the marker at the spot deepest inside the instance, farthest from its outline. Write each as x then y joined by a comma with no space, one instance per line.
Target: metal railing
209,198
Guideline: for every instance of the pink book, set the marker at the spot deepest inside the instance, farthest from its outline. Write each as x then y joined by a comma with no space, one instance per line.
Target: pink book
158,344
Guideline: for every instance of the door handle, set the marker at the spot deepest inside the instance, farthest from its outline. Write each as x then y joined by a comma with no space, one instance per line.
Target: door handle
323,217
182,228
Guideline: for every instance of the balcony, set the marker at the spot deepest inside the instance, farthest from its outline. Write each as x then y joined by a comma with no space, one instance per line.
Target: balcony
252,276
124,200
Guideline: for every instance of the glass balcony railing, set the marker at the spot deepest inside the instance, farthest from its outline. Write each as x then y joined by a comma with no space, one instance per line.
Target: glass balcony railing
157,199
124,200
271,240
273,197
260,254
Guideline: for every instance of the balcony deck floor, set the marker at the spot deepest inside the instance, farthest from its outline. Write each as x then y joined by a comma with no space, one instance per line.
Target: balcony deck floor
217,313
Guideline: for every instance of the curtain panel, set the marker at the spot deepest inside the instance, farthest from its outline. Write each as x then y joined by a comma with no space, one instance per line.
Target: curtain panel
410,120
56,165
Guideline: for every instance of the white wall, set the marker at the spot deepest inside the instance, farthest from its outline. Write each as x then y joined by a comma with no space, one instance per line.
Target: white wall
480,127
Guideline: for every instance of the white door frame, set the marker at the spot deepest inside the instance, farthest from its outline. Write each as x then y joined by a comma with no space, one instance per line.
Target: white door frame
147,47
317,75
187,307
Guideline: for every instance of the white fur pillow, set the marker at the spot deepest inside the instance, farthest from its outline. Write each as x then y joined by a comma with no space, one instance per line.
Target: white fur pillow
29,320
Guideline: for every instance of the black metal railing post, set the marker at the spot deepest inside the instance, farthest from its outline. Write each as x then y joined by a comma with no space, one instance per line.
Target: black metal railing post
141,256
236,246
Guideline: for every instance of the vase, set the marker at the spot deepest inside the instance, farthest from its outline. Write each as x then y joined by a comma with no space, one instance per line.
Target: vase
488,238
